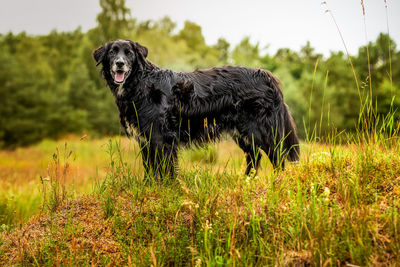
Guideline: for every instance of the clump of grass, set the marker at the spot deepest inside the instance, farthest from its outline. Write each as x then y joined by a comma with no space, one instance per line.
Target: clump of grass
372,126
119,177
18,205
54,186
205,154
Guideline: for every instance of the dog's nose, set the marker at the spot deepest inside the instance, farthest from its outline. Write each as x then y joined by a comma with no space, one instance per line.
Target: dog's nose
120,63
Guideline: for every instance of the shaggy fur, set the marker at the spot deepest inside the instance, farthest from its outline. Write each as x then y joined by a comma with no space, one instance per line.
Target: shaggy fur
163,108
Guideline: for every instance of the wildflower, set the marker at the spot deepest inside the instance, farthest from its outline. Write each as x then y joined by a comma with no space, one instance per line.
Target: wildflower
198,262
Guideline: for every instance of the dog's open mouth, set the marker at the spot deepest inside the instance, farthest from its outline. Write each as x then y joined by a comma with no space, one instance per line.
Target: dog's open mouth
120,76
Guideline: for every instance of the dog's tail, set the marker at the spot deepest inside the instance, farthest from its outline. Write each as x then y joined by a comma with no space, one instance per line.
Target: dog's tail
290,148
290,142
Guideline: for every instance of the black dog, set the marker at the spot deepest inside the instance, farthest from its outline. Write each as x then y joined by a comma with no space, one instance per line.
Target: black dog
164,108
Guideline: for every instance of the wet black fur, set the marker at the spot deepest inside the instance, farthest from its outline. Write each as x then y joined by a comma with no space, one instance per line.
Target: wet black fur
170,108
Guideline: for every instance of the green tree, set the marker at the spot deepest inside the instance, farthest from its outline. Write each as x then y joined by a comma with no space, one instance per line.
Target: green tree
385,76
113,20
222,46
192,35
246,54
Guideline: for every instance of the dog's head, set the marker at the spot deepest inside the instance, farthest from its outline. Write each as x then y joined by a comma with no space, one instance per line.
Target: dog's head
120,58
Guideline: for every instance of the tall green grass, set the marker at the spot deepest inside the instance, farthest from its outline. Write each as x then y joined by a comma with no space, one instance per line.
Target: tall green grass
341,206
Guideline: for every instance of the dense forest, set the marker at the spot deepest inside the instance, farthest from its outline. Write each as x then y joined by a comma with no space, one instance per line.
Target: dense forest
50,87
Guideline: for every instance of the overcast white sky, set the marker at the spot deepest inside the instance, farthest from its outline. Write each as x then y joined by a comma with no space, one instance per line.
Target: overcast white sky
288,23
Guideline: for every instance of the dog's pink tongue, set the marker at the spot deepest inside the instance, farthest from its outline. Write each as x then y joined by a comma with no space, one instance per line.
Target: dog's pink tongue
119,77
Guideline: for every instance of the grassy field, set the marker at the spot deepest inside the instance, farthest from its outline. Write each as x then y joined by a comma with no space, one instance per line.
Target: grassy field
20,172
21,194
339,205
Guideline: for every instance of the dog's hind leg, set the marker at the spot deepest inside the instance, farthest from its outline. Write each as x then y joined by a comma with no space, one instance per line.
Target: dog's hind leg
252,152
275,152
276,159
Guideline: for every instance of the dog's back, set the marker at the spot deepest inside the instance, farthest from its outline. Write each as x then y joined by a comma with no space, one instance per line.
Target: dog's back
246,102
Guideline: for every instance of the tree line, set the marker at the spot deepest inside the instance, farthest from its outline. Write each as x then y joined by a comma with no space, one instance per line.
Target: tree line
50,87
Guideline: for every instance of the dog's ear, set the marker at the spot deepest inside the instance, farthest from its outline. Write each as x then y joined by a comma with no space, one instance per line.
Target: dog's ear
99,54
140,48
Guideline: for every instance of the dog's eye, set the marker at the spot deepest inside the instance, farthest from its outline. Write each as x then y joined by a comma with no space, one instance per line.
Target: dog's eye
128,53
112,52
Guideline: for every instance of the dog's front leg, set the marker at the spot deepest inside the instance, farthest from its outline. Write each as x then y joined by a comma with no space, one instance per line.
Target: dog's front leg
165,158
147,158
158,160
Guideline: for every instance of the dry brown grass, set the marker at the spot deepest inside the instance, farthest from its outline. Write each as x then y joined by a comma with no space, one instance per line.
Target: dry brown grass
77,227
